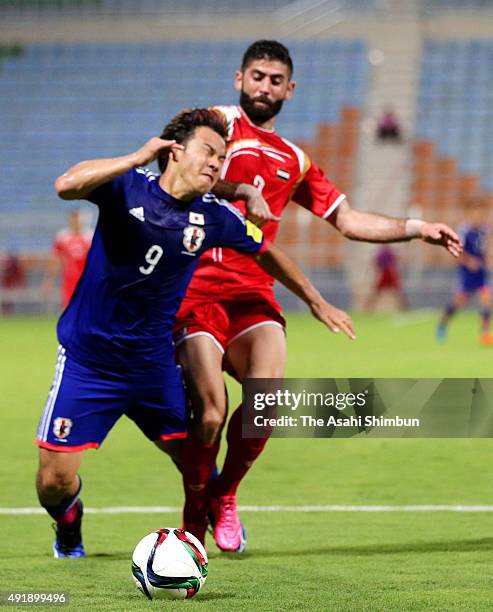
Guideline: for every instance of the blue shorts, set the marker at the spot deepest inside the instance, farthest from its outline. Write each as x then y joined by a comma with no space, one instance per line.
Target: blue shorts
86,401
470,282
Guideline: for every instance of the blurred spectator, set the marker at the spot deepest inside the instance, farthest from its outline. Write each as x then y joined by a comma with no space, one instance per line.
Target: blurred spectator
13,276
68,257
388,279
388,128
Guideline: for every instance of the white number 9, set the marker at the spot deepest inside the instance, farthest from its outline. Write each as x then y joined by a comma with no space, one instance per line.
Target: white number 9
152,257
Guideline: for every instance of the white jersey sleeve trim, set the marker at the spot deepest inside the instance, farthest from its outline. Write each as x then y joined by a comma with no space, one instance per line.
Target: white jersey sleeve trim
331,208
232,209
231,113
300,154
211,198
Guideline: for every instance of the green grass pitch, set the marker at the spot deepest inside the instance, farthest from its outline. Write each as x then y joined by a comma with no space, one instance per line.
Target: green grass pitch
295,561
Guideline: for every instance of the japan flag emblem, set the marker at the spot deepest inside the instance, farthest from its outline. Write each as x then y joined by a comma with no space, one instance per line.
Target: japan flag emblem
197,218
62,427
193,237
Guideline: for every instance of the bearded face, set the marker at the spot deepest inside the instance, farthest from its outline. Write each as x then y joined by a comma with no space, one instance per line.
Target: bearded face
259,109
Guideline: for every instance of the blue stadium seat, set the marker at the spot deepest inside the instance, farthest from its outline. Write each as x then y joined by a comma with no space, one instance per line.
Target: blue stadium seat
454,102
67,102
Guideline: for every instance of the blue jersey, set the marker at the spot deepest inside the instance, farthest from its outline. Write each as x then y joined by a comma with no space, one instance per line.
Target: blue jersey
145,249
474,239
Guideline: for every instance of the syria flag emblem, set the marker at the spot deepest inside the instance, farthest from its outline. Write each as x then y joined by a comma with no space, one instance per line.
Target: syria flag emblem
62,427
193,237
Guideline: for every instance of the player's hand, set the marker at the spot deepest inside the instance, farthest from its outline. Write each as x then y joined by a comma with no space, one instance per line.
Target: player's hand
442,235
154,148
257,209
334,318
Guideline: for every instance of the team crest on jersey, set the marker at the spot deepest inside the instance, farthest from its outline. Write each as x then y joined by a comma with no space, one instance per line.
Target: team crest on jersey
62,427
193,237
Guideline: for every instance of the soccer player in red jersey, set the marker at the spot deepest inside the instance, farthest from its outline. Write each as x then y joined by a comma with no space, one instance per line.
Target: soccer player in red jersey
69,254
230,318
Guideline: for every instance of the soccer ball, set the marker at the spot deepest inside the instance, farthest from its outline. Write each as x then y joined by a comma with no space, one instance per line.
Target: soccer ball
169,564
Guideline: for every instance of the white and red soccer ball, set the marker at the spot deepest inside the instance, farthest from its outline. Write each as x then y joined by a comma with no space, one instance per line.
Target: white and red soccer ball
169,564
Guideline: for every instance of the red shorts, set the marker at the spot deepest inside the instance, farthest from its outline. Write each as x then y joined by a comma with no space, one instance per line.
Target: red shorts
225,319
389,279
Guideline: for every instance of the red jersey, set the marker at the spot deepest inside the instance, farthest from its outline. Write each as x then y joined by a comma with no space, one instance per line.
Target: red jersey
71,249
282,172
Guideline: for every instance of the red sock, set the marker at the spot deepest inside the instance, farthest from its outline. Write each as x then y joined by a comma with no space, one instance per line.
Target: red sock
199,460
241,454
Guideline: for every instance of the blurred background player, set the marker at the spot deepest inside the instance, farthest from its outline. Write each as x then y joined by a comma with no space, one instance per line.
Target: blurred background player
13,276
68,257
387,279
230,316
473,274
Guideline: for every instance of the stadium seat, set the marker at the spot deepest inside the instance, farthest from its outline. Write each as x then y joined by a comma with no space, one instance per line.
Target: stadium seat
67,102
453,156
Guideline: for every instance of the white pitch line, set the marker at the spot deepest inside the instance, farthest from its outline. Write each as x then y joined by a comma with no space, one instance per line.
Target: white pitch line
331,508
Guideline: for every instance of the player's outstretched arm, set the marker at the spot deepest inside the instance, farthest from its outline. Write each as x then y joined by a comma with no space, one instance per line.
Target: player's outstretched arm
370,227
84,177
257,209
274,261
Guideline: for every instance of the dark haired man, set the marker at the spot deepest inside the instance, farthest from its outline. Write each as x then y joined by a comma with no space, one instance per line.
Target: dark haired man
116,353
230,317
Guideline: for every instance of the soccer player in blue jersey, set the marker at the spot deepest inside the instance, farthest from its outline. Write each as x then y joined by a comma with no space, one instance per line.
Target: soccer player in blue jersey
116,353
473,275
